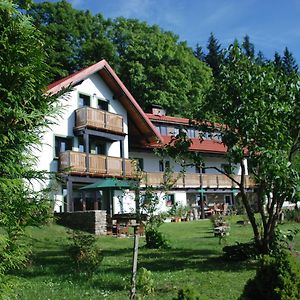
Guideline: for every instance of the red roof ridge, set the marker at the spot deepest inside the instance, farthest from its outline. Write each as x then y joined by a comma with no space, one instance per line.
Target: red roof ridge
84,73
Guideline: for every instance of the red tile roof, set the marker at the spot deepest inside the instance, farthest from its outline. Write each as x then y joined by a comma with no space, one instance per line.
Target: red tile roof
168,119
205,146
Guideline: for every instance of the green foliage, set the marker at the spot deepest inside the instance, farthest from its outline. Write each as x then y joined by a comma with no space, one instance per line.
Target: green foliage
149,206
84,252
260,106
292,215
193,260
24,110
240,252
288,62
74,39
153,64
214,57
282,240
145,283
155,239
158,69
277,278
189,294
248,47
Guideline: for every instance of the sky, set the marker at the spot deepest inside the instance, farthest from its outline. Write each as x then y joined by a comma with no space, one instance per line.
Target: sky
271,25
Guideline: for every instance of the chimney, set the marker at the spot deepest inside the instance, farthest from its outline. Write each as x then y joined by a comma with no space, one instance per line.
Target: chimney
158,110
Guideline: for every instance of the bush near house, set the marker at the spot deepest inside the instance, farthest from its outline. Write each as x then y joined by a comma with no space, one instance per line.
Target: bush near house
84,252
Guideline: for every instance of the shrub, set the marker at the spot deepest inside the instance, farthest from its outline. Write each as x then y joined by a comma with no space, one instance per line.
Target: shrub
240,251
277,278
282,240
155,239
292,215
84,252
189,294
145,282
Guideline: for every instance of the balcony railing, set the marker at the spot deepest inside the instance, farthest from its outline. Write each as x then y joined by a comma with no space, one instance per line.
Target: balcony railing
98,119
191,180
98,165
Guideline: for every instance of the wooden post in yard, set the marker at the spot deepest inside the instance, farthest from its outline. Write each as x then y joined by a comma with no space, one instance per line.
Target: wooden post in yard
134,263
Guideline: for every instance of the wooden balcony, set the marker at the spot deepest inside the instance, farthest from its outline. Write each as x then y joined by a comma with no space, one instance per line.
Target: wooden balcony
98,119
72,162
192,180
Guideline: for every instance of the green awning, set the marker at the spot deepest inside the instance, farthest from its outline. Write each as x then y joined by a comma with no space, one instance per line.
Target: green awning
110,183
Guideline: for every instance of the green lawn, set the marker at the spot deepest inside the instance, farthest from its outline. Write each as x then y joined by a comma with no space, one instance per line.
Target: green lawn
193,261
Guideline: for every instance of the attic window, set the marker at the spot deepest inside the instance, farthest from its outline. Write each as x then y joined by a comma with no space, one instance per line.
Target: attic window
102,104
84,100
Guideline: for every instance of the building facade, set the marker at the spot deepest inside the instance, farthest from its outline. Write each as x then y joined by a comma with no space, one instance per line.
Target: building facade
102,133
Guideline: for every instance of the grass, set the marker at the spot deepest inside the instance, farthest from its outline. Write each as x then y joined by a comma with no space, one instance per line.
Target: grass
194,260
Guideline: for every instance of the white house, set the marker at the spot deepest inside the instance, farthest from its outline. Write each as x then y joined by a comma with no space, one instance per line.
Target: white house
102,129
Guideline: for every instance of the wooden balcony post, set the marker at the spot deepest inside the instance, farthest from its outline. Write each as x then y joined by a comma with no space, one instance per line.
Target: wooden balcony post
96,204
83,201
123,158
202,195
87,151
85,115
106,165
105,120
70,201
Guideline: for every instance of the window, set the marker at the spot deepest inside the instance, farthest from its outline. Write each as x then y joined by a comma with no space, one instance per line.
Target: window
102,104
140,163
62,144
84,100
81,147
98,147
176,131
228,199
217,136
170,200
161,166
164,165
191,133
170,131
204,135
163,130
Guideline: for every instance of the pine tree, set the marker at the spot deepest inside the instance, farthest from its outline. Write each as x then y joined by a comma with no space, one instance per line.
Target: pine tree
248,47
260,58
199,53
289,62
278,60
214,56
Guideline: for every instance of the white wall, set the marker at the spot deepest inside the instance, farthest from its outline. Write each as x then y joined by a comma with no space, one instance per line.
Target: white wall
151,163
65,122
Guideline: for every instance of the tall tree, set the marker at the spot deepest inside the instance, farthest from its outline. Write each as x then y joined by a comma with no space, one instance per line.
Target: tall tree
248,47
214,57
198,52
24,106
289,62
74,39
260,109
278,61
260,58
157,68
